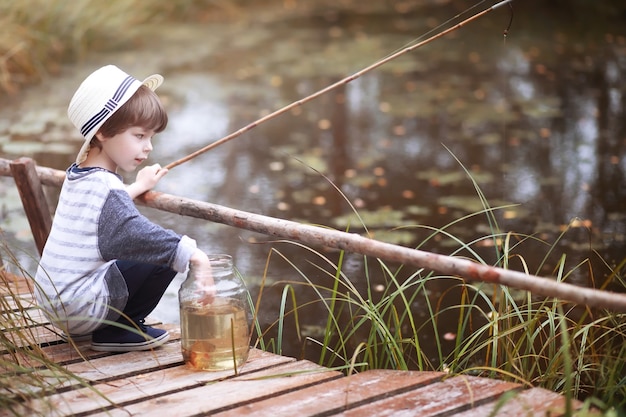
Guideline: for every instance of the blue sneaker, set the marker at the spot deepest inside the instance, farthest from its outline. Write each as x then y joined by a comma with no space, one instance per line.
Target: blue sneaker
117,339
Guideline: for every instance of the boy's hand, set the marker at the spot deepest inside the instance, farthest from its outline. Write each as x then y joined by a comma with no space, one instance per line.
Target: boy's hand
201,268
146,179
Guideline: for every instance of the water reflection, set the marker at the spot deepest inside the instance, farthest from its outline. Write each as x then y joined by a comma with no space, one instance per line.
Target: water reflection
537,121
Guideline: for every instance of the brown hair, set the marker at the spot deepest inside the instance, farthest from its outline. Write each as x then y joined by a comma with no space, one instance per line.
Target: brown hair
142,109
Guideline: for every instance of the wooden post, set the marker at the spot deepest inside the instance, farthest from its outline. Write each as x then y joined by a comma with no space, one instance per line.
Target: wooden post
33,199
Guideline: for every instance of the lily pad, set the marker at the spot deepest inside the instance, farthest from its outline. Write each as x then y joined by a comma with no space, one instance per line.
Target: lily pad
371,219
441,178
469,204
309,162
416,210
396,237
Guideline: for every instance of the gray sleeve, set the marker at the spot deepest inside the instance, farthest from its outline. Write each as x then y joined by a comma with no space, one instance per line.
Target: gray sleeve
124,233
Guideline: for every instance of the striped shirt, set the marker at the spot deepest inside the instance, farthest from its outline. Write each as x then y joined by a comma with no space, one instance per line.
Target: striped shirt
96,222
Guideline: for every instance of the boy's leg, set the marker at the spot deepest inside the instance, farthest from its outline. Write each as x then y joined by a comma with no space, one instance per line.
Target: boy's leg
146,285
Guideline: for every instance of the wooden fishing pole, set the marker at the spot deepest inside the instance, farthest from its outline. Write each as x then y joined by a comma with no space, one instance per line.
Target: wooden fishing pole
333,86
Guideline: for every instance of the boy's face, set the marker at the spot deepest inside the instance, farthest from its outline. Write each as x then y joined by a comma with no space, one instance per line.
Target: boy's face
126,150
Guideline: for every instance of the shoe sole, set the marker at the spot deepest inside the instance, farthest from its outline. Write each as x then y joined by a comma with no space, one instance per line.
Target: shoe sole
130,347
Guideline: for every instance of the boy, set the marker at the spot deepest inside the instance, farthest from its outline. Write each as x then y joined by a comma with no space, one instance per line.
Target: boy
105,266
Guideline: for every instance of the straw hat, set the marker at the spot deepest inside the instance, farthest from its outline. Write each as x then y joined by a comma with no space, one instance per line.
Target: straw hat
99,96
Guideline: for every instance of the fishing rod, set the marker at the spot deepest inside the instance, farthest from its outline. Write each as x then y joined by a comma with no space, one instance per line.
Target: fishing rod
339,83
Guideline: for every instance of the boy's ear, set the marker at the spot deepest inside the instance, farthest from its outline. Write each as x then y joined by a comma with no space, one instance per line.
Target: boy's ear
99,136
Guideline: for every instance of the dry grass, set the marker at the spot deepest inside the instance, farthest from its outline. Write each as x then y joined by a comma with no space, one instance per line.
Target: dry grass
36,36
26,371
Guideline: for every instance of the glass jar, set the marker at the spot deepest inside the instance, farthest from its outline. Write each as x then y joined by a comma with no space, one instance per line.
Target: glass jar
215,334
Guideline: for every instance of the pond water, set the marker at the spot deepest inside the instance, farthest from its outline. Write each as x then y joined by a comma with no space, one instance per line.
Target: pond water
533,121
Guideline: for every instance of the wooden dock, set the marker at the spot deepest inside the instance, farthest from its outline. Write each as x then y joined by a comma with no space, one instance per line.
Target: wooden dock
142,383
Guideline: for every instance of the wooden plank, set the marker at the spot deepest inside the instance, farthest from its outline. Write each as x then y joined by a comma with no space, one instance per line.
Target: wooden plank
14,285
17,302
210,398
24,337
41,334
54,348
442,398
119,392
64,353
84,362
46,334
116,366
33,199
23,318
334,396
110,367
532,402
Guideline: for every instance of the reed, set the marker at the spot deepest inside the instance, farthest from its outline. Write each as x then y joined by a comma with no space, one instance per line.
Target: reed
26,371
498,332
536,342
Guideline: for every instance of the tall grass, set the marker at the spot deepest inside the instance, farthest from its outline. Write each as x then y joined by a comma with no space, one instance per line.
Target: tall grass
26,371
498,333
470,328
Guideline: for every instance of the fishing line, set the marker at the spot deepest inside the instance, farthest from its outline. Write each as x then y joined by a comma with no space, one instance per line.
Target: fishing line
342,82
506,31
505,93
436,28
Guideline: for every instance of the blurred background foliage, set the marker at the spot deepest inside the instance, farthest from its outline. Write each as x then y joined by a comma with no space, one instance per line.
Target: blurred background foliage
38,36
